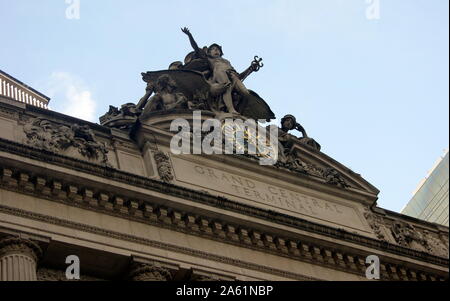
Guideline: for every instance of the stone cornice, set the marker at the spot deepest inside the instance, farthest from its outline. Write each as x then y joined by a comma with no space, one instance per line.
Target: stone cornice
309,253
219,202
399,216
68,119
152,243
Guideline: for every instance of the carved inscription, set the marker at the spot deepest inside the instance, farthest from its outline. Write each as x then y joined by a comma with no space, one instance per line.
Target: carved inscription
271,195
265,193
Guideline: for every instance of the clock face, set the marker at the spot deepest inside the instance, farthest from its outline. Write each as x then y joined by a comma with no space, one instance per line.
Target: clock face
248,140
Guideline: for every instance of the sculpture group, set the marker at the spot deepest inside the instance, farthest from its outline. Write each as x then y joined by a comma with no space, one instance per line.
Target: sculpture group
207,81
204,81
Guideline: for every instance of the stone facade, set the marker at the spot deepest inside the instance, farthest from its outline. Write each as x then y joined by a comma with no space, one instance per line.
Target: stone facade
131,210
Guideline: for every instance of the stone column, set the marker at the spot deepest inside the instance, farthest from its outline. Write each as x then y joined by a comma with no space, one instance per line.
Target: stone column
18,259
149,272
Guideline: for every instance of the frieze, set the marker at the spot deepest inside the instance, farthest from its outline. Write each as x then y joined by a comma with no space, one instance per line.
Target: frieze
435,245
406,235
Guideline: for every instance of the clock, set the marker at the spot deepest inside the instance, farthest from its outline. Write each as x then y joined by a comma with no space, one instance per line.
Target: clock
251,142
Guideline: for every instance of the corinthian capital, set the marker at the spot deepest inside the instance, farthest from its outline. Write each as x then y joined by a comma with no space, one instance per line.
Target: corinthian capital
17,245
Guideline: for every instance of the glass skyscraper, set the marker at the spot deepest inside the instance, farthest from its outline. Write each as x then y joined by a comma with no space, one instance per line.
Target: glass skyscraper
430,202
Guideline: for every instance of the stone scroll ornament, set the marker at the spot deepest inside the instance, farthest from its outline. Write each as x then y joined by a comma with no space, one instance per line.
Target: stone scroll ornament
375,222
44,134
164,166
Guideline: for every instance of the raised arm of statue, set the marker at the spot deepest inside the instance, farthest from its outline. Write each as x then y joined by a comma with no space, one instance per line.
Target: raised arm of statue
148,92
301,129
191,40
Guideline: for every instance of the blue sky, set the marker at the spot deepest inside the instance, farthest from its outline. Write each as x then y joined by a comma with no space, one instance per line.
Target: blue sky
373,93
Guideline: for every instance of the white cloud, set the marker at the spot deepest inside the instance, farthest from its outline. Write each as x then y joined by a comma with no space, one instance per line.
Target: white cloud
71,96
